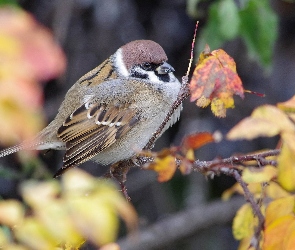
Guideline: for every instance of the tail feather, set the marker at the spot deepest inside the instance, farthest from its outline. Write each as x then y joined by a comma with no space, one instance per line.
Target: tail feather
11,150
32,145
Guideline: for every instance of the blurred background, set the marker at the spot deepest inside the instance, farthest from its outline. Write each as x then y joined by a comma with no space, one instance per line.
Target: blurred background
258,34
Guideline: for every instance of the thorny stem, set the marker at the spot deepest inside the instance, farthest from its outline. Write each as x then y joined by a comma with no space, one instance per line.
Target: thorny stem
183,94
249,197
227,164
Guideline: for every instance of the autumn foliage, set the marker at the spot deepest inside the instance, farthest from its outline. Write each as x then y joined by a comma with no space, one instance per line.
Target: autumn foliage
28,55
83,208
215,80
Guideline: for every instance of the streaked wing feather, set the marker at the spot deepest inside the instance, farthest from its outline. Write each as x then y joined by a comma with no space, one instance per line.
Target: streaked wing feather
93,128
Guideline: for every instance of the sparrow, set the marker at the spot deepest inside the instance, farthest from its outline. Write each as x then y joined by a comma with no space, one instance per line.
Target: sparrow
112,112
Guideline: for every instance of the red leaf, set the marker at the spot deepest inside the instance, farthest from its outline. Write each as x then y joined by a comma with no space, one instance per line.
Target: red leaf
215,77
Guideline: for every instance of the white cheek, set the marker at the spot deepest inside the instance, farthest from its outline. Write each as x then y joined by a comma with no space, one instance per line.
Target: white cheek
152,76
119,63
172,77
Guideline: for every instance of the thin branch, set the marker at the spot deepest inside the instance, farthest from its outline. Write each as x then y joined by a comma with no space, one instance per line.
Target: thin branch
224,165
183,94
256,209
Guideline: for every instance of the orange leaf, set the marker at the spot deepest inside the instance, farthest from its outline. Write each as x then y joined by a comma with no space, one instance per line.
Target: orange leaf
289,239
197,140
279,208
165,167
274,234
215,78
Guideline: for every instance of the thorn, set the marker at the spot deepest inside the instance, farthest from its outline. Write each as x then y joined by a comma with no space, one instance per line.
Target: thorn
254,93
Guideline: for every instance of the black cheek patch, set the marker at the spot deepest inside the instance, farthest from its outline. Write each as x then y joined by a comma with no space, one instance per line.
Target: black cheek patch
163,77
139,75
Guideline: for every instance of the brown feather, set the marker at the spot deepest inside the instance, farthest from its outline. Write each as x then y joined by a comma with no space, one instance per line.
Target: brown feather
92,128
100,74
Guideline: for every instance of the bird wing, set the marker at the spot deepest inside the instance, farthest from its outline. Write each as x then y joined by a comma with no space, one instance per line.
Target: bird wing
92,128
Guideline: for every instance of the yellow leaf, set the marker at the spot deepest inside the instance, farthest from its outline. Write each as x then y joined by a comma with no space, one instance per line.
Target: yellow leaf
165,167
39,194
95,219
228,101
255,188
274,116
11,213
203,102
279,208
289,139
15,247
77,182
265,120
243,223
55,218
275,191
190,155
218,108
95,204
258,175
250,128
245,244
286,168
34,235
288,106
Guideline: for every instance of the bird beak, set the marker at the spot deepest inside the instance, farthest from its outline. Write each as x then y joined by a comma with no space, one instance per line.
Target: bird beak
165,68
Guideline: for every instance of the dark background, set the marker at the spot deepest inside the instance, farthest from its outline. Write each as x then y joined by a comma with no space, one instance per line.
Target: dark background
91,30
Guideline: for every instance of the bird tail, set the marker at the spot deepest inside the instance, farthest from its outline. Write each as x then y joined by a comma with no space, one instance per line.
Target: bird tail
11,150
26,145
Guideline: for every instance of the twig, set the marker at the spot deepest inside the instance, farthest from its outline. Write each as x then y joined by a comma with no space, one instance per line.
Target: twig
192,49
229,166
256,209
183,94
221,165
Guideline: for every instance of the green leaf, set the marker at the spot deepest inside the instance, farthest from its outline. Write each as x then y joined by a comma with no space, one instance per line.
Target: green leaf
259,29
228,15
222,25
211,33
8,2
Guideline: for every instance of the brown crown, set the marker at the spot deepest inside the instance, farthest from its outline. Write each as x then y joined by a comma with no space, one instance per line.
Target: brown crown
141,51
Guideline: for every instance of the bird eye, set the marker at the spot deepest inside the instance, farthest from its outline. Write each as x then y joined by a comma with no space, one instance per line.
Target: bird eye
147,66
